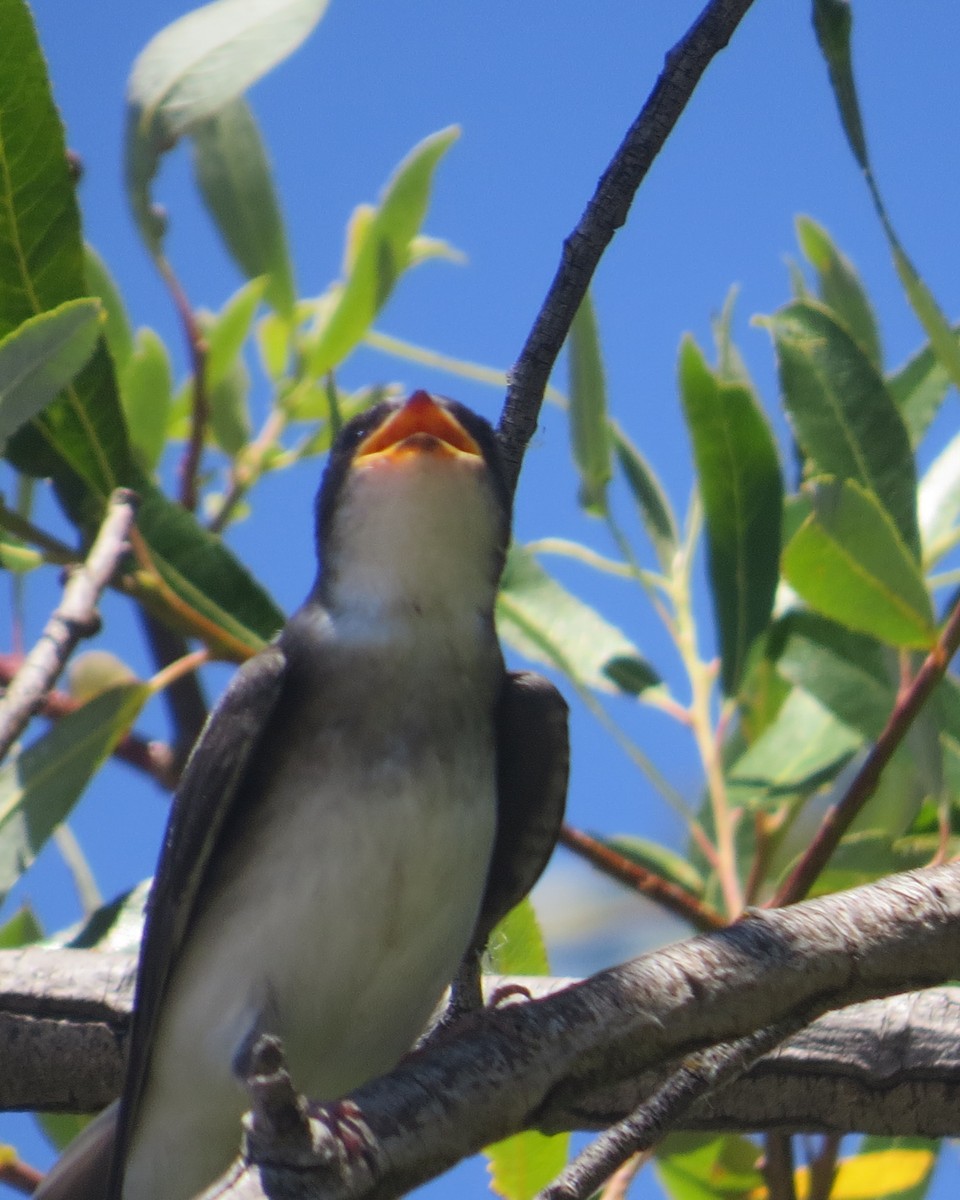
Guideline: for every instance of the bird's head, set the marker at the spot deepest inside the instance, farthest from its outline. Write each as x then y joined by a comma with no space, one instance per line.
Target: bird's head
413,511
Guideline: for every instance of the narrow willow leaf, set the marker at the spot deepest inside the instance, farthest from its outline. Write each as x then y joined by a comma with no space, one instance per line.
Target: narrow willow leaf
846,672
654,857
521,1166
833,22
40,785
229,410
382,254
21,929
191,70
700,1166
651,499
146,392
804,747
101,284
235,180
61,1128
80,440
730,364
938,502
516,944
742,490
840,287
589,433
849,563
198,567
40,357
544,622
116,926
918,389
841,411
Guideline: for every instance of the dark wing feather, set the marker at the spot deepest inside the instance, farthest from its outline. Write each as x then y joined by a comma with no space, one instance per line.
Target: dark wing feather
533,763
200,808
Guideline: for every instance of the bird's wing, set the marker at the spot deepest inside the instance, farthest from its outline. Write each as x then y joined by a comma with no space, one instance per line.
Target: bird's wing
533,761
201,806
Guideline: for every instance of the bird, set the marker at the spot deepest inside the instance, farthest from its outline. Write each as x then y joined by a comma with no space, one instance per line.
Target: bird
372,794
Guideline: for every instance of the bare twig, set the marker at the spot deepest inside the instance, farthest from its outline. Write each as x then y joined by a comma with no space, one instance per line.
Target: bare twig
778,1166
200,411
837,821
20,1176
184,699
668,895
605,213
699,1074
75,618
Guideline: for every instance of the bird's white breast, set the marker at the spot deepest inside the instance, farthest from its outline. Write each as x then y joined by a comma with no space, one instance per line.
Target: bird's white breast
341,933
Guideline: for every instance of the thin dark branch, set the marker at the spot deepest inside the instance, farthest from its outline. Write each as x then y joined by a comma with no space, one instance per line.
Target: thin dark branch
200,412
604,215
668,895
698,1075
778,1166
184,698
74,618
838,820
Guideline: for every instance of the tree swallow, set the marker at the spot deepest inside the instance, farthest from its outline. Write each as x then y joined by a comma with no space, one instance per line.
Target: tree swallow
371,795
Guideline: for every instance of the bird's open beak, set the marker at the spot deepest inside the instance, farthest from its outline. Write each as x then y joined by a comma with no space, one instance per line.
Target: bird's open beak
421,426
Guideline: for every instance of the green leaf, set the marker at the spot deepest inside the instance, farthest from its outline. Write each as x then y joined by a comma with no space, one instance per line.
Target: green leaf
840,287
382,254
521,1166
101,284
517,946
699,1166
229,411
867,855
234,178
146,391
833,21
654,857
21,929
847,672
938,502
40,785
742,491
803,748
885,1169
80,440
841,411
849,563
545,623
194,68
227,332
651,499
198,567
40,357
631,675
589,434
116,926
61,1128
918,388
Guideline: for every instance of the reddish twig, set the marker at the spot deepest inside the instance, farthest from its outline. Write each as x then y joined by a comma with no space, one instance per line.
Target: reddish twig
662,891
200,412
74,618
838,820
604,214
20,1176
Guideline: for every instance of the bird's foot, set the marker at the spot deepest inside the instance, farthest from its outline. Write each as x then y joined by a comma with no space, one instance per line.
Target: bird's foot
352,1136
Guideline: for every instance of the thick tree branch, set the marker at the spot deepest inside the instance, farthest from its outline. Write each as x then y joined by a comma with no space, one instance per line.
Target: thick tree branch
585,1056
604,214
75,618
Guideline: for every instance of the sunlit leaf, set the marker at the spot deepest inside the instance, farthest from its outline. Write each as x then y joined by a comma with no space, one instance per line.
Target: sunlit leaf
846,671
694,1166
742,491
40,785
841,411
146,392
382,254
654,857
840,287
547,624
235,181
849,563
516,944
651,499
521,1166
40,357
895,1174
589,433
938,502
918,389
101,284
191,70
870,854
21,929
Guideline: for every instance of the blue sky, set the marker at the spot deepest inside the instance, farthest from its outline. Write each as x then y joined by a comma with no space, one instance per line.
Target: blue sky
543,92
